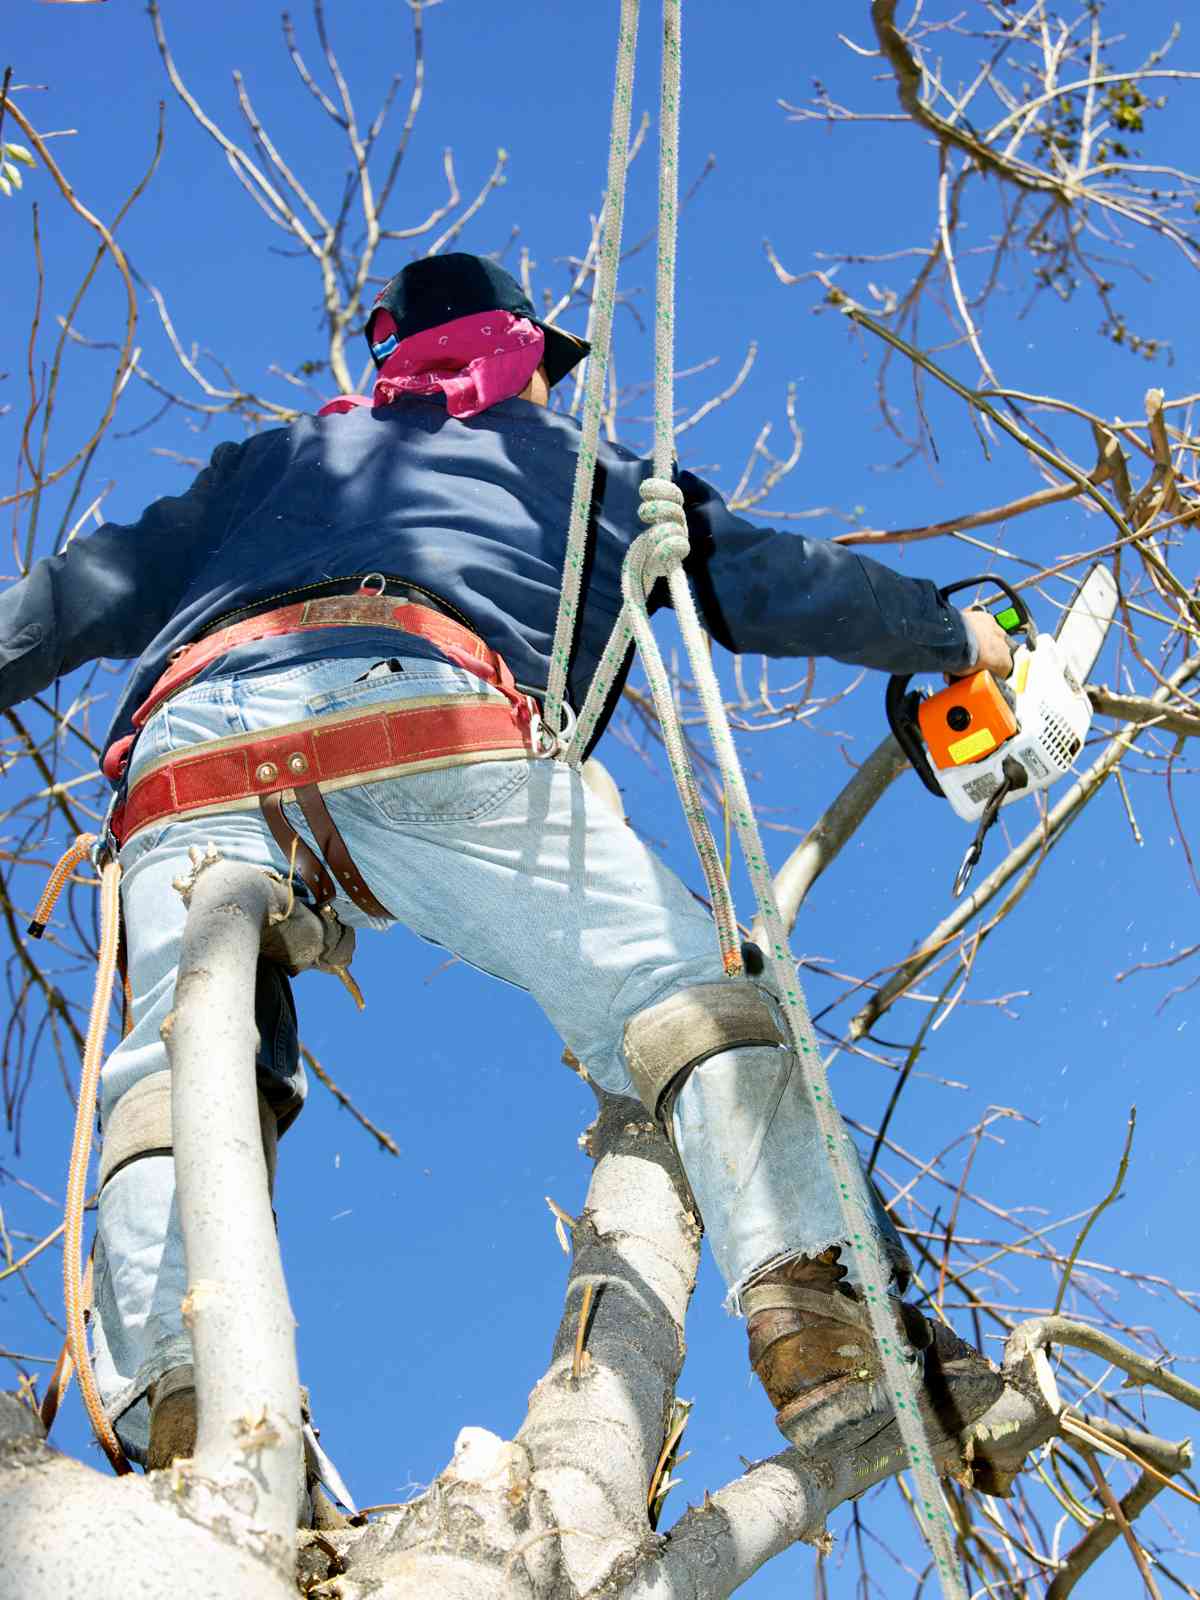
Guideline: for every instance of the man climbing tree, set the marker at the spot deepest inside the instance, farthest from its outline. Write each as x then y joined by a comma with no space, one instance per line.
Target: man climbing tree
342,635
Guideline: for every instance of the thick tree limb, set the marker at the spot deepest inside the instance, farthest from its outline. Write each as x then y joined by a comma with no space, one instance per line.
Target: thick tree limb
1137,708
577,1475
69,1529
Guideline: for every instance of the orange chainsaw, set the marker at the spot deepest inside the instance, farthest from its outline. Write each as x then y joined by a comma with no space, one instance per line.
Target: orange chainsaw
981,742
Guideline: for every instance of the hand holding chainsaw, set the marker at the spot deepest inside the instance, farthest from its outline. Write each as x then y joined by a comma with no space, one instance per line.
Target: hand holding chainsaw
995,647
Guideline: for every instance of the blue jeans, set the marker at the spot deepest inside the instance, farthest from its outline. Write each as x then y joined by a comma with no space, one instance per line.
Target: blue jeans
521,871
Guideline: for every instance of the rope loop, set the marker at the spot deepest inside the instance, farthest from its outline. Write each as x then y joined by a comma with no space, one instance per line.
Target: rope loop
655,554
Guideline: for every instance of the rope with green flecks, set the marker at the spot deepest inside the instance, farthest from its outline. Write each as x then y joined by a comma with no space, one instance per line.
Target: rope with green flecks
603,304
661,552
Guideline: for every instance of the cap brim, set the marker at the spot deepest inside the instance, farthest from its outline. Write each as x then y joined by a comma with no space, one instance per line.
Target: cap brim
563,351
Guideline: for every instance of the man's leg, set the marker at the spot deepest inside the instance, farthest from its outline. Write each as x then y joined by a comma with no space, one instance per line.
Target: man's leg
715,1065
141,1276
523,872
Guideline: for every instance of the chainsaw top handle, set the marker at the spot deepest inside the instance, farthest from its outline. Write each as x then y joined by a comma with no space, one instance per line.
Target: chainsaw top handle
901,703
1021,622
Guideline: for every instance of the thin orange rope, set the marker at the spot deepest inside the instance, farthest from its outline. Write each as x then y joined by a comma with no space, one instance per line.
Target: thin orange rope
93,1054
65,866
64,1367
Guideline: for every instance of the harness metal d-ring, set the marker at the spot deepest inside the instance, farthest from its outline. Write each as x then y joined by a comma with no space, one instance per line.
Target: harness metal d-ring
365,587
549,746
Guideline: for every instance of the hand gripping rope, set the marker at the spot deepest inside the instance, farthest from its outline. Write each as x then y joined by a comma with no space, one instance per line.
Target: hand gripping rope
661,552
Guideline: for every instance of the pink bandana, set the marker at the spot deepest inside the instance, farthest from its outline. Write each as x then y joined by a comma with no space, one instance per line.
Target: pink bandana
475,361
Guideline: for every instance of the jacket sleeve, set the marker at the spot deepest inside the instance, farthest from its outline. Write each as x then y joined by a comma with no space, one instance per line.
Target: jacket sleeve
781,594
111,593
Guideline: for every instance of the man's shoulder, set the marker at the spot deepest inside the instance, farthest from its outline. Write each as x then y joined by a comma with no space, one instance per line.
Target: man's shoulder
560,425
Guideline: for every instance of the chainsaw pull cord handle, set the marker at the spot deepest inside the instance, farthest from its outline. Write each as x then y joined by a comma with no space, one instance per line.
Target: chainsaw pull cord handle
1015,777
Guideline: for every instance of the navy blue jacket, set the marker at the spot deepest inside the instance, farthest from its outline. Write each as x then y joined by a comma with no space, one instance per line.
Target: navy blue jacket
475,511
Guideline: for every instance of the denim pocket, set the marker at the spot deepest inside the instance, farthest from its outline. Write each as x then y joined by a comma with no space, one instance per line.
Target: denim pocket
395,680
465,793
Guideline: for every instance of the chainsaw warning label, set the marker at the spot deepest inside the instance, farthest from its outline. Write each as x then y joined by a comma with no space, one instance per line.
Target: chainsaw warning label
1034,762
980,789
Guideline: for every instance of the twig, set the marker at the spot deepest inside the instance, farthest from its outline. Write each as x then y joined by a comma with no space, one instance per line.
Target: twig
1129,811
1099,1537
1114,1510
124,363
683,1410
905,1072
562,1220
30,1255
1124,1452
1054,495
577,1360
385,1139
1122,1169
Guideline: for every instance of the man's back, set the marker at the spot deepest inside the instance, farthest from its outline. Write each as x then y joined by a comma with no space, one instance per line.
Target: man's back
473,510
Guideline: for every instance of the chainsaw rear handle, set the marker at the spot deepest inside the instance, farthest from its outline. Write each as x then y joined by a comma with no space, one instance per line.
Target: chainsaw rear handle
901,703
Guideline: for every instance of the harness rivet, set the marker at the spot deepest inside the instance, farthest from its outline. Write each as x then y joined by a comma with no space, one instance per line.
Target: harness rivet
298,762
267,772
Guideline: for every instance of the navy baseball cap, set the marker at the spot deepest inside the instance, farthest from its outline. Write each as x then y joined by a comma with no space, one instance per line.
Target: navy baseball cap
439,289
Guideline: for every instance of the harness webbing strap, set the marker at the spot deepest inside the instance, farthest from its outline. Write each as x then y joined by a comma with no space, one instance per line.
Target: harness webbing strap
335,749
662,551
305,862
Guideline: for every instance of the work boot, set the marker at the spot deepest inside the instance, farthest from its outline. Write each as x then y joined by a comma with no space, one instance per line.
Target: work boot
812,1348
172,1418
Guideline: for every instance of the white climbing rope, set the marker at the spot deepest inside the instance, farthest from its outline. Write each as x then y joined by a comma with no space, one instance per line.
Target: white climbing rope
603,303
661,552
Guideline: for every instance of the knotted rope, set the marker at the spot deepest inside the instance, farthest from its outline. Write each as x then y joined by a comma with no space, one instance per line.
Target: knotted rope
660,552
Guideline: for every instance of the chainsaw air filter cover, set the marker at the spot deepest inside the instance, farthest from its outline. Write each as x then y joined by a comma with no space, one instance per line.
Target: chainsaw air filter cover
966,720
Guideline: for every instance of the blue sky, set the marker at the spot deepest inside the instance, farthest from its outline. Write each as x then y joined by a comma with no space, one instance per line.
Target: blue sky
427,1288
